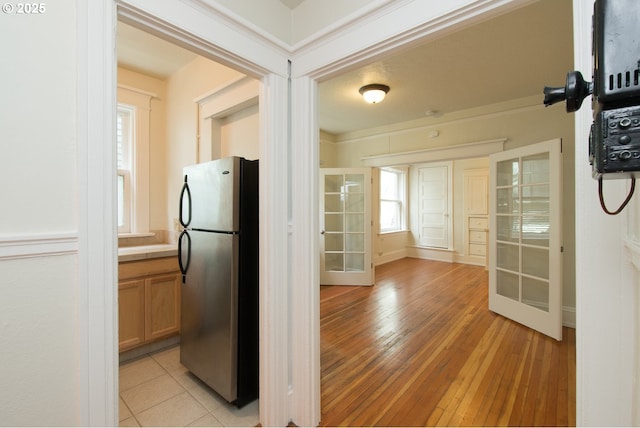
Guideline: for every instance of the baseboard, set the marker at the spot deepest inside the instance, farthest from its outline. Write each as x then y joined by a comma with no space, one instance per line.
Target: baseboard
470,260
148,349
437,254
569,316
390,257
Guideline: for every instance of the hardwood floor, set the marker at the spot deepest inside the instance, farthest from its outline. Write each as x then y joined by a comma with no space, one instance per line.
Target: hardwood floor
420,348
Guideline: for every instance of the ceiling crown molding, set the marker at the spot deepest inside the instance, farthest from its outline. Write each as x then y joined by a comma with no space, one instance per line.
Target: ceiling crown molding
214,34
344,46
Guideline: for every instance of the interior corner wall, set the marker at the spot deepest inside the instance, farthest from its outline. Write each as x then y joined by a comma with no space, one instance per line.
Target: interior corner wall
328,150
521,121
199,77
157,143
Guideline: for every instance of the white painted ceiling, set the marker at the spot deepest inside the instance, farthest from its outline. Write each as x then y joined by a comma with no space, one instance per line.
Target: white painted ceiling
511,56
291,4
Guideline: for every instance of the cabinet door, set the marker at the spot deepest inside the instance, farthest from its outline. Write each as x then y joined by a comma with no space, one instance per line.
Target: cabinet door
162,306
131,313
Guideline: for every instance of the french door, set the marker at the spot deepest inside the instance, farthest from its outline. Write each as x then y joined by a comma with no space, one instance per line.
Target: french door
345,222
525,244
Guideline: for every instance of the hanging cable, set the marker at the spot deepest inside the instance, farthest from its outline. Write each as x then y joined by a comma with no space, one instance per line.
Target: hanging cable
624,204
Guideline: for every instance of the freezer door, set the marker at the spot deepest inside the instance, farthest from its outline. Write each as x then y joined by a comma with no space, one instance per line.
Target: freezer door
209,323
212,199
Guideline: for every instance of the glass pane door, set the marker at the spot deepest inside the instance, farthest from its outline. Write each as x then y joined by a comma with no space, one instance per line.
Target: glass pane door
346,219
522,215
525,274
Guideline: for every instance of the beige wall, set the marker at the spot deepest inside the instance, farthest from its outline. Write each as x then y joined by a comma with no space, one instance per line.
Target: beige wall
174,131
522,122
196,79
239,134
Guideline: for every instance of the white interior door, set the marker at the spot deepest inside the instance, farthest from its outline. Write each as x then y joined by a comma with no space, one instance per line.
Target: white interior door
345,221
435,223
525,274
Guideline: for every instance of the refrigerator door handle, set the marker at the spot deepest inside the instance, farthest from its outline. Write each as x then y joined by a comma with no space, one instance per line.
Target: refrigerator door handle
187,191
184,266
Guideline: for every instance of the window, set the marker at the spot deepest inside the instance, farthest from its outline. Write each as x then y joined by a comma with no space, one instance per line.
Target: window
133,120
125,123
393,191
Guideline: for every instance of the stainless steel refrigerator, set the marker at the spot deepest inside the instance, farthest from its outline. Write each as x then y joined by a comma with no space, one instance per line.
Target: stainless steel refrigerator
218,257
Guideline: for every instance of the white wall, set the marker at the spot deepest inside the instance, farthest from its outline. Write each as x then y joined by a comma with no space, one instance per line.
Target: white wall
606,277
521,121
328,148
39,289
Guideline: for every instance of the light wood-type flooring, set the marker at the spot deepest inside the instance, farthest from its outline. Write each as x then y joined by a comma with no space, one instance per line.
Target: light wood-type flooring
420,348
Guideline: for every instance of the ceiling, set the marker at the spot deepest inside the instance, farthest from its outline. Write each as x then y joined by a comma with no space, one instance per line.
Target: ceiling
511,56
291,4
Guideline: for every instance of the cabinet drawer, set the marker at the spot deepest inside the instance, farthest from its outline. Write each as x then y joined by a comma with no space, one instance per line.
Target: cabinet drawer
142,268
477,237
478,223
477,249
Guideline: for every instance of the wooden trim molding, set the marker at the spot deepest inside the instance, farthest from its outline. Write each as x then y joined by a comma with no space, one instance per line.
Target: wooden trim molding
305,269
27,246
219,36
97,228
460,151
275,343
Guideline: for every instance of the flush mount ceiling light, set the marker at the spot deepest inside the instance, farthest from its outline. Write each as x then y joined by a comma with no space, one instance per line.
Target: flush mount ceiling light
374,93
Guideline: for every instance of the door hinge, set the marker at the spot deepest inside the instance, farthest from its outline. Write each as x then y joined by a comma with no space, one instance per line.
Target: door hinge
562,249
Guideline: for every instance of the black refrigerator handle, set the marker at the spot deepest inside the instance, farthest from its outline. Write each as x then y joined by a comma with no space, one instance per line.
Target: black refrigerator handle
184,266
187,191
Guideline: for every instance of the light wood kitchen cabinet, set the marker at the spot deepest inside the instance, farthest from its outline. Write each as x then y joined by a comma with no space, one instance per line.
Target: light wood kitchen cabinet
148,301
130,314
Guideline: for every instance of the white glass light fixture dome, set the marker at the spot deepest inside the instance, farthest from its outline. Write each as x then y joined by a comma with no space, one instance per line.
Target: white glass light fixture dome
374,93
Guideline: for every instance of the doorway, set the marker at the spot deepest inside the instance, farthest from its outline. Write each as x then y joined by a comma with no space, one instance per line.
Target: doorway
386,143
277,178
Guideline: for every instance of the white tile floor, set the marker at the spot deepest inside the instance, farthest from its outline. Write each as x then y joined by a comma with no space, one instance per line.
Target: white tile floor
156,390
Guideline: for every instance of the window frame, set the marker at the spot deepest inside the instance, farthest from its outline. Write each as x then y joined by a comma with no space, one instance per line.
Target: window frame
401,173
140,102
126,169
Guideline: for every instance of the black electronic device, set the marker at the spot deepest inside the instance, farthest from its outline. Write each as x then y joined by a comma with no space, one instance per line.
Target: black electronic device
614,142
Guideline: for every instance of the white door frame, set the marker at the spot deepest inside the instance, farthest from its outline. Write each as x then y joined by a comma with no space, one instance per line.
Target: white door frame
606,284
289,174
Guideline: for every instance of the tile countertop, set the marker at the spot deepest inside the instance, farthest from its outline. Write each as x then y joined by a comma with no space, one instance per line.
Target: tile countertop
142,252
